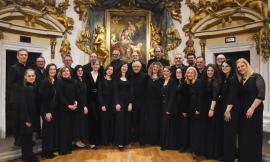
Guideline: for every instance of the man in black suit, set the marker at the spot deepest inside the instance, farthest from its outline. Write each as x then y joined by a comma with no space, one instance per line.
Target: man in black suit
178,63
15,83
158,58
200,65
116,62
136,57
191,60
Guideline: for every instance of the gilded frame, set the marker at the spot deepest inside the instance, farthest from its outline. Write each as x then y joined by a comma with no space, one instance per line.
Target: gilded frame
133,12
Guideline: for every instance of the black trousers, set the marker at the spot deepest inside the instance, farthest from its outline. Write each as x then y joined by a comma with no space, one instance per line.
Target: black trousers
27,145
16,123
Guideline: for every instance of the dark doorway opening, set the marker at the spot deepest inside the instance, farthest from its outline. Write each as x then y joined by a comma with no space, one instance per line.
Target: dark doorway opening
10,60
234,56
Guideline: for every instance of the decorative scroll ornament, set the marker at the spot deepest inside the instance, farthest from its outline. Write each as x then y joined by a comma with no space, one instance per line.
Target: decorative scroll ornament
59,13
174,7
1,35
53,45
189,49
81,9
256,37
203,44
99,42
156,38
173,37
83,41
265,43
65,47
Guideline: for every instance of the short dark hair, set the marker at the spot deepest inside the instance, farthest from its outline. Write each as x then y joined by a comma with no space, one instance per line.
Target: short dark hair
200,57
22,49
191,54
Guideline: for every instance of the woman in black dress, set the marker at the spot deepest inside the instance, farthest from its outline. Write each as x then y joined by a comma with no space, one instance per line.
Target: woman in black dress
191,110
168,135
123,107
92,81
50,114
80,125
210,91
181,115
27,115
252,94
105,96
228,104
150,115
68,103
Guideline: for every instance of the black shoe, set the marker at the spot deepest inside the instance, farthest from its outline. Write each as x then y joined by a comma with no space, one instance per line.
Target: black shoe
194,156
120,147
48,155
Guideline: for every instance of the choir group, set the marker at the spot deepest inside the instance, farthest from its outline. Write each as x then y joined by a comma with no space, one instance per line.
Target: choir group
213,111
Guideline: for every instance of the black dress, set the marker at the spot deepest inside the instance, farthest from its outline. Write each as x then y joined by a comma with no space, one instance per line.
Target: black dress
49,129
168,135
105,96
94,109
27,114
138,83
191,125
66,90
229,96
150,115
251,130
81,123
122,96
211,142
181,120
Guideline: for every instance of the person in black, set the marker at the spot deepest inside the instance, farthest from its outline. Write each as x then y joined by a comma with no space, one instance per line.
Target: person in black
87,68
181,116
80,125
229,104
191,110
135,56
138,80
67,61
123,107
14,84
178,60
158,57
40,76
27,115
68,103
92,82
200,66
168,135
105,96
150,114
252,94
191,60
211,142
116,62
49,112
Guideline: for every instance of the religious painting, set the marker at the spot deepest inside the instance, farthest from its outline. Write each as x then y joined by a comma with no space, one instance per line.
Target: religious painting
127,31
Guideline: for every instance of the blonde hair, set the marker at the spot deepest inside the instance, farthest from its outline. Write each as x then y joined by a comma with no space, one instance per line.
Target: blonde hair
160,67
195,77
250,71
62,70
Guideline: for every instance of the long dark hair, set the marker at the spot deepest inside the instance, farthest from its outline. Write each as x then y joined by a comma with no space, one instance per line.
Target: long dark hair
47,69
120,73
232,72
75,71
216,74
106,68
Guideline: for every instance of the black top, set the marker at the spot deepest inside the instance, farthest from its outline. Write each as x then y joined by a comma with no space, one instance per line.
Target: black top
180,95
168,97
40,76
164,62
15,81
49,96
200,73
92,86
105,89
122,92
153,86
67,93
229,92
82,93
138,83
27,103
191,97
253,88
